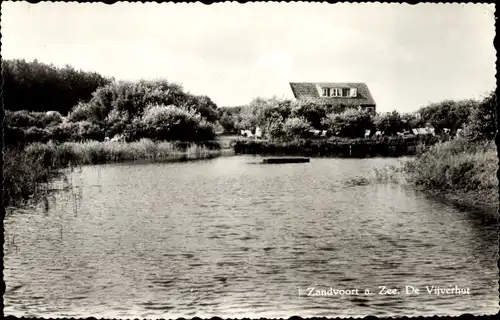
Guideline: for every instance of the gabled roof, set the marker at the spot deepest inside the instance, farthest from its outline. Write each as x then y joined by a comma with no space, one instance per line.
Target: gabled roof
309,90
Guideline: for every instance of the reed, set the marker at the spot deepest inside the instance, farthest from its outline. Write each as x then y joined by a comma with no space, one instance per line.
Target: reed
27,169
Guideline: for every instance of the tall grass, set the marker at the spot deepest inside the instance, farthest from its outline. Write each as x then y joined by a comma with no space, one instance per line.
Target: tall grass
458,170
456,165
26,170
95,152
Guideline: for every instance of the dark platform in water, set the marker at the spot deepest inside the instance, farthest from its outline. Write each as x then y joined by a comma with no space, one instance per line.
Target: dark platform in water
285,160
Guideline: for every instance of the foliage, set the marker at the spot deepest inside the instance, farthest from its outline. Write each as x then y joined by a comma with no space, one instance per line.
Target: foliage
86,111
389,123
412,121
161,122
482,121
351,123
310,110
229,117
447,114
36,86
26,119
335,146
296,127
456,166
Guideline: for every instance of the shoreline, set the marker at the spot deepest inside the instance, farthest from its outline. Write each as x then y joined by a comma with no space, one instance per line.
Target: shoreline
340,148
486,204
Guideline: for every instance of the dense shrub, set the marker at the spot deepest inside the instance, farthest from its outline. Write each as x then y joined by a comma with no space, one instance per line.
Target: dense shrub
262,112
448,114
14,136
389,123
296,127
132,97
310,110
229,117
482,121
161,122
35,134
27,119
351,123
86,111
455,165
36,86
119,107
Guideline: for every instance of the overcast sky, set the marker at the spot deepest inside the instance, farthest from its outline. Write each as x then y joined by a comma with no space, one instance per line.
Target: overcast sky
408,55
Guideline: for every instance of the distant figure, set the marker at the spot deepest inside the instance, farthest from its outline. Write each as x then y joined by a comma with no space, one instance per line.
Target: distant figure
258,133
367,133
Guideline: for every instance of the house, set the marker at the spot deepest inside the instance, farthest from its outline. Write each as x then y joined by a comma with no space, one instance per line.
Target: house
336,93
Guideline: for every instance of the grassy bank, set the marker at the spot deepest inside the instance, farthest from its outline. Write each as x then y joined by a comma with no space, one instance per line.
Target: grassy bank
337,147
457,171
26,170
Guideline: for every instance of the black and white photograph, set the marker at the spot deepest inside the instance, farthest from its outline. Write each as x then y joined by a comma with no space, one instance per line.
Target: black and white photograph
256,160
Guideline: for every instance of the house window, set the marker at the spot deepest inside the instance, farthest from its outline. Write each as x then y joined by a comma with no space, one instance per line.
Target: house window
345,92
326,92
370,109
336,92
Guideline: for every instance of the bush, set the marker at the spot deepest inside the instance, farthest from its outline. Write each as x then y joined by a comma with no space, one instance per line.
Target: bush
28,119
296,127
351,123
482,121
311,110
85,111
14,136
389,123
35,134
448,114
457,164
172,123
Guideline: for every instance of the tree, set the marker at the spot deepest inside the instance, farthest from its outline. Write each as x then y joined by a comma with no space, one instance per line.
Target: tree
160,122
411,121
296,127
447,114
389,123
36,86
482,121
310,110
351,123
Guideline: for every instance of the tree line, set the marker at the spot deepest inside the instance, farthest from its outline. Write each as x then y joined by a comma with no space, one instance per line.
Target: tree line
44,102
281,119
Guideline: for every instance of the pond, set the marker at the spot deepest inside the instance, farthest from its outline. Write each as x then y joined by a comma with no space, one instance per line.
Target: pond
231,237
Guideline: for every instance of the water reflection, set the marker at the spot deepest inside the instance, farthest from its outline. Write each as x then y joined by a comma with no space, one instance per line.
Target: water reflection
229,238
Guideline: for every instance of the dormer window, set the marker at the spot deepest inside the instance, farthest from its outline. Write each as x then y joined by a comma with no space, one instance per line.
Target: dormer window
338,92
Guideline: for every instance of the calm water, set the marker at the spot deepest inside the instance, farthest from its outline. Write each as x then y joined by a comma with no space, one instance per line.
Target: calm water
230,237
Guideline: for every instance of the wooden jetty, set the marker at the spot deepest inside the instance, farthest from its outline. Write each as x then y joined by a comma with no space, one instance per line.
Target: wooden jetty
285,160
